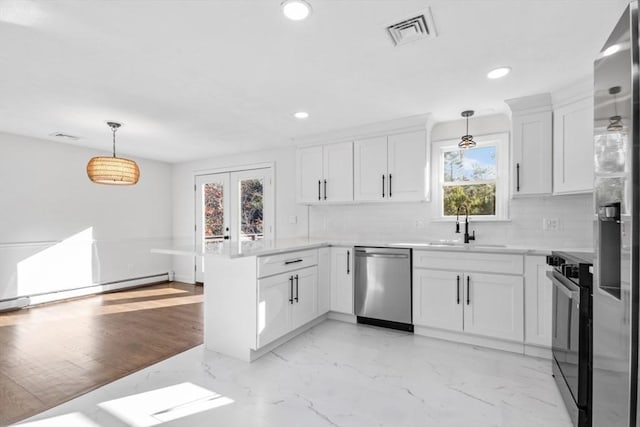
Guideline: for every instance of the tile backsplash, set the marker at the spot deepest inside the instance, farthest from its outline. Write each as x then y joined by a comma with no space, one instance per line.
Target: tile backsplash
411,222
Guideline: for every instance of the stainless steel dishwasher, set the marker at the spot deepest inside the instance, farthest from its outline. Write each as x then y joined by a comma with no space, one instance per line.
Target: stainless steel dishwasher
383,287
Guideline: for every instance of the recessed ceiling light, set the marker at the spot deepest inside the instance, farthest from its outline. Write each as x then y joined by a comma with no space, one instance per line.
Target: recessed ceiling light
301,115
498,72
296,10
611,50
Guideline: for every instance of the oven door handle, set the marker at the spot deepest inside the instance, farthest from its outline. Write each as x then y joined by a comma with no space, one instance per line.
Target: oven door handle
565,286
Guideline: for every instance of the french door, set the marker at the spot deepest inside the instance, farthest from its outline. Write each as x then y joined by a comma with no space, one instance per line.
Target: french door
234,206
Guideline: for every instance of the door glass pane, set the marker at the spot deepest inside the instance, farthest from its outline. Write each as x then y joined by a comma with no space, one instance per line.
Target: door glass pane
251,209
213,212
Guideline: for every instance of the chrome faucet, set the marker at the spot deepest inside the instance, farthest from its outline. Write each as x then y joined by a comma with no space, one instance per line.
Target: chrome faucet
467,237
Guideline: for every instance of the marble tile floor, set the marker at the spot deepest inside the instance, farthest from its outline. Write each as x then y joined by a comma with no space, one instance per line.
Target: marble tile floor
336,374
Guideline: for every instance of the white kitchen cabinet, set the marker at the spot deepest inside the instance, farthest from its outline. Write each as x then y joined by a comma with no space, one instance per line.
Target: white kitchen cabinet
342,280
437,299
494,306
537,298
324,280
573,148
305,301
391,168
532,138
475,300
325,173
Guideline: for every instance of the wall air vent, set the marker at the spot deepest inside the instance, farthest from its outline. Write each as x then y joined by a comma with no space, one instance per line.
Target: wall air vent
412,29
62,135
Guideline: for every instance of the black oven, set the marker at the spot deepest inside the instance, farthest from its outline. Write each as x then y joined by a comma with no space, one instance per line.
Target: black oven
571,278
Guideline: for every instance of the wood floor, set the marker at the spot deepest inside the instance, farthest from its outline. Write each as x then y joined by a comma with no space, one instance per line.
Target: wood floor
52,353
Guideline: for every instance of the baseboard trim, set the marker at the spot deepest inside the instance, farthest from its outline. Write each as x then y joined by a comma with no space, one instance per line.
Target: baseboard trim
27,301
537,351
184,279
495,343
342,317
256,354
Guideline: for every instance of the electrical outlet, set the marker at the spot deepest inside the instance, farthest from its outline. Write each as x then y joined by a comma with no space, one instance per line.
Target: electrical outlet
293,219
419,224
550,224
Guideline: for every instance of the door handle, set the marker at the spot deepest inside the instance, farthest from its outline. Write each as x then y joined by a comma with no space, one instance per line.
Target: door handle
226,236
319,184
383,186
389,185
458,289
348,261
518,177
325,189
291,289
296,288
468,298
292,261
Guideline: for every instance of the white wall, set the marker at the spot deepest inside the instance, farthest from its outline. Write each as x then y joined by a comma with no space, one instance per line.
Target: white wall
284,161
60,231
412,221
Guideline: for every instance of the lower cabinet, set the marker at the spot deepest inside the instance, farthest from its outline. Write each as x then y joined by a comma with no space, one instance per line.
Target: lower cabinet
285,302
324,280
479,303
342,280
538,304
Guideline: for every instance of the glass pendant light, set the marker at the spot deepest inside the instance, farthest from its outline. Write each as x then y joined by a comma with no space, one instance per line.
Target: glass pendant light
113,170
467,140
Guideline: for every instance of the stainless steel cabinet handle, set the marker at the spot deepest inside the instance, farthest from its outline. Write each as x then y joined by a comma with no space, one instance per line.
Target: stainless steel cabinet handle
291,289
348,261
292,261
319,184
518,177
458,289
389,185
468,298
382,186
296,288
325,189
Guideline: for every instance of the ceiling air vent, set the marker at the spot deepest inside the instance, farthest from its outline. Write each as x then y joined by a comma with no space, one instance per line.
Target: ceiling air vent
64,136
412,29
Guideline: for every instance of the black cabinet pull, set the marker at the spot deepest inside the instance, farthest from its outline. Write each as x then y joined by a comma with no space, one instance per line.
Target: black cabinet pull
296,288
319,184
389,185
348,261
325,189
291,289
292,262
382,186
468,300
458,289
518,177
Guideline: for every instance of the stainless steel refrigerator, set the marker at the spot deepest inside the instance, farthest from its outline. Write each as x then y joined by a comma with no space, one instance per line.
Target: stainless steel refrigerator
616,227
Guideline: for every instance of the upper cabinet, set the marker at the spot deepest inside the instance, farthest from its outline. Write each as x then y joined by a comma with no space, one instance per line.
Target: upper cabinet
325,173
573,147
532,145
392,168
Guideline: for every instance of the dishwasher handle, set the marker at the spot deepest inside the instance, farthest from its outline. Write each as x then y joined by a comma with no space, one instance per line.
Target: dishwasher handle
380,255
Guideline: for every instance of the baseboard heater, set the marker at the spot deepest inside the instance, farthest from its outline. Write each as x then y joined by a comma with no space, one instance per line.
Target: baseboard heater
24,301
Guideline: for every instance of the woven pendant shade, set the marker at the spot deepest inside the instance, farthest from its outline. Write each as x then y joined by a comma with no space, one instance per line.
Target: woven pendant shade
113,171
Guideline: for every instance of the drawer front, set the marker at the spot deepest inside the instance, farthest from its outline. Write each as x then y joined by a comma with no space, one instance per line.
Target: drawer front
281,263
469,261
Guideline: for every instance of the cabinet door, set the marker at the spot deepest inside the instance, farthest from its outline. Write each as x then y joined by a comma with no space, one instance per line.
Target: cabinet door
370,169
407,165
573,148
338,172
537,302
494,306
309,174
437,299
324,280
342,280
531,170
305,296
274,308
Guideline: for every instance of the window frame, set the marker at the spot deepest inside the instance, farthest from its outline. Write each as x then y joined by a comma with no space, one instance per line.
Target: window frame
501,142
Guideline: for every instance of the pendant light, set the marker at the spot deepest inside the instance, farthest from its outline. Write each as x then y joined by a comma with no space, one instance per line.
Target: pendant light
467,140
113,170
615,121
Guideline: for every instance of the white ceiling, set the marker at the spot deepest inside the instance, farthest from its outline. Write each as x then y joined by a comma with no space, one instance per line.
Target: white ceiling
195,78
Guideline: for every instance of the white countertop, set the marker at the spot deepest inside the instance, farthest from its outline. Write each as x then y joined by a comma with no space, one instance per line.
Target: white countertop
235,249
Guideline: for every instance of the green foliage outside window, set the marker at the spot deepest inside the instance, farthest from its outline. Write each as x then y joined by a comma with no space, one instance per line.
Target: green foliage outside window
480,199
